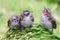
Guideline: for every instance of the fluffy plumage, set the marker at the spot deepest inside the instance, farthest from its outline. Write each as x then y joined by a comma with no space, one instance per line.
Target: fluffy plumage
47,20
27,18
14,22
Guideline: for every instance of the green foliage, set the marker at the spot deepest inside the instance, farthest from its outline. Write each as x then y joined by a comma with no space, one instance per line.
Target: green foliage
34,33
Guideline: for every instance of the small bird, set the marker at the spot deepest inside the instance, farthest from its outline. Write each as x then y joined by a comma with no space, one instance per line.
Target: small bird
47,20
14,22
27,18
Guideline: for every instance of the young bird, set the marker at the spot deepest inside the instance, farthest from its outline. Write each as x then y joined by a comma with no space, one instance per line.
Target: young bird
47,20
27,18
14,22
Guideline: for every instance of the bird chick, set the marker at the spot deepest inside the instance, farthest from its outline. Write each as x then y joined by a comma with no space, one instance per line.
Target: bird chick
27,18
47,20
14,22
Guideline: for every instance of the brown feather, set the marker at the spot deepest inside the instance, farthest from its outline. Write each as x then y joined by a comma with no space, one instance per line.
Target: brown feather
21,17
8,23
52,20
32,18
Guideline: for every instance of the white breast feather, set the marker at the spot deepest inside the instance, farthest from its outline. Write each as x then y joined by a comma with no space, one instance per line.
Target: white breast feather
26,22
45,22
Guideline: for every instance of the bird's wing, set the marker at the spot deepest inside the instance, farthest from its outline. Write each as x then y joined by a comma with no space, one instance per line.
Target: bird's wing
8,23
21,17
52,20
32,18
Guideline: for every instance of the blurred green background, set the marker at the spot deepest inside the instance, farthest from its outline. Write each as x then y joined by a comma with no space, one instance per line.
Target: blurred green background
9,7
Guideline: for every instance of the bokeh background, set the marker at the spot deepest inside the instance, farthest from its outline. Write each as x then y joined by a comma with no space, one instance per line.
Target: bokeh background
9,7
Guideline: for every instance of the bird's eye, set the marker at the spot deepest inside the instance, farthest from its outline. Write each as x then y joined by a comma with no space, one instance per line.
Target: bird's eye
17,20
14,19
27,13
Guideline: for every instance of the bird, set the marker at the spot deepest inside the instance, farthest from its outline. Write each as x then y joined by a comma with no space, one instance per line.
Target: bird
27,18
14,22
47,20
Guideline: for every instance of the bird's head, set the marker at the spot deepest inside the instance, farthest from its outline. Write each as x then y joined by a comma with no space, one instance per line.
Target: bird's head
26,13
46,11
15,20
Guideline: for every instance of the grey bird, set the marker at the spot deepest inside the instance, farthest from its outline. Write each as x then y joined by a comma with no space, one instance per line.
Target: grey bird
14,22
47,20
27,18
